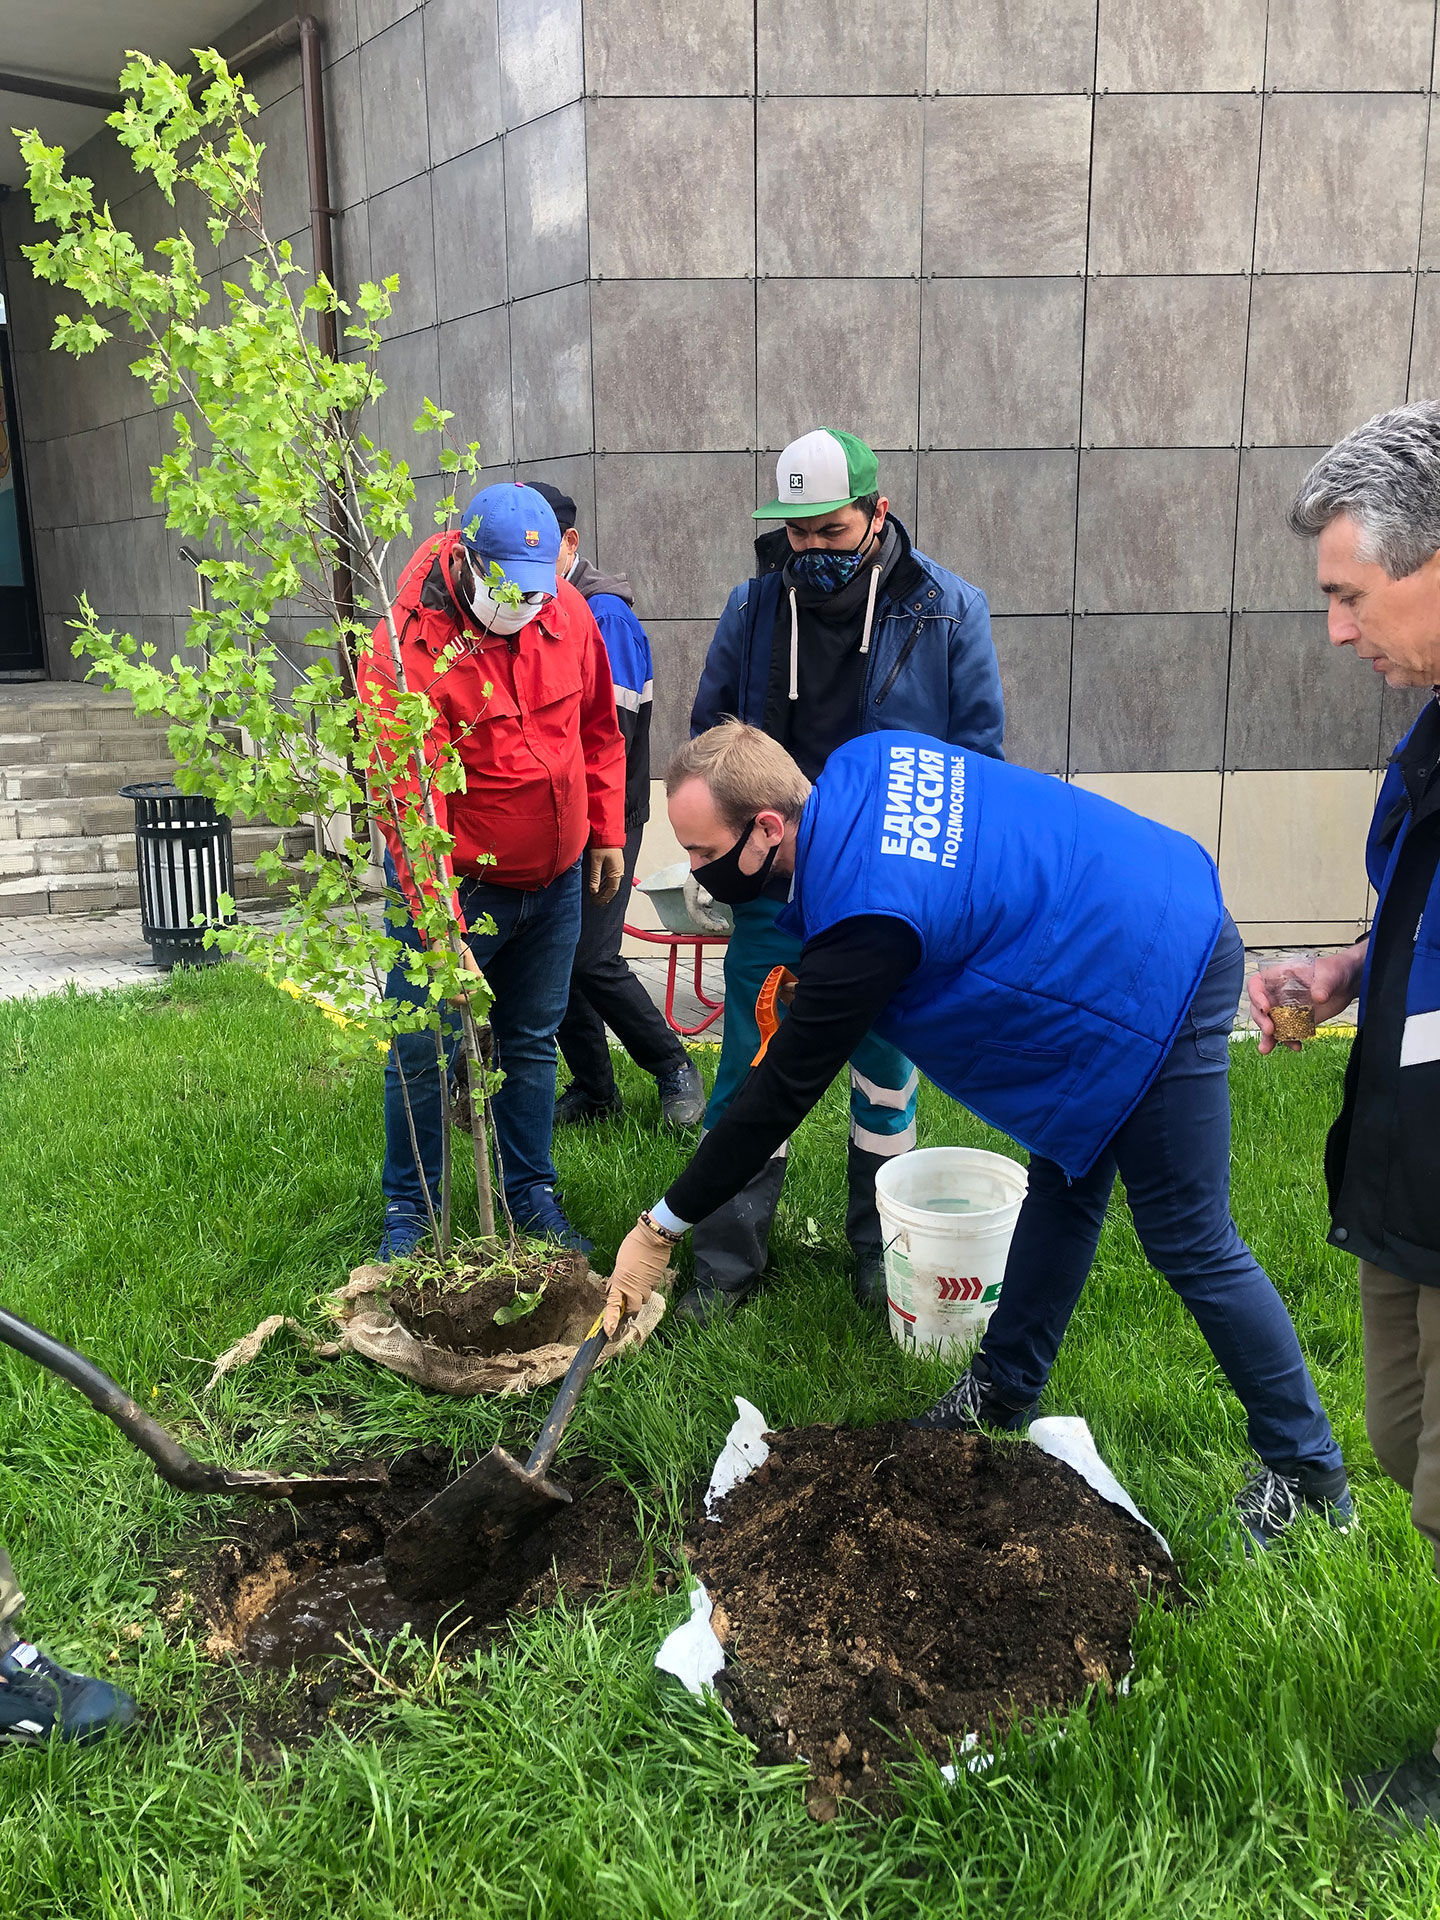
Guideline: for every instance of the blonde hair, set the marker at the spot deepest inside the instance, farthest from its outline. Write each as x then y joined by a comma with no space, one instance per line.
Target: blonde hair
745,770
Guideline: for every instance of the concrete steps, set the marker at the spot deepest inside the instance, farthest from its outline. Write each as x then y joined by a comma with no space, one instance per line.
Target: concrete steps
67,840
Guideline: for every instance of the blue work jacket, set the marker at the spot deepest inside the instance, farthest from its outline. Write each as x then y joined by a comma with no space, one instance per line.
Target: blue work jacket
931,666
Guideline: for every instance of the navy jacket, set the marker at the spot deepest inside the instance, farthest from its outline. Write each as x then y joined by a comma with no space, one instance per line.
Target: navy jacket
931,666
612,604
1382,1161
1390,827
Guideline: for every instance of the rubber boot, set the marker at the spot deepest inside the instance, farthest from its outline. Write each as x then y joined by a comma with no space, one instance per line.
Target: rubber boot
732,1245
862,1226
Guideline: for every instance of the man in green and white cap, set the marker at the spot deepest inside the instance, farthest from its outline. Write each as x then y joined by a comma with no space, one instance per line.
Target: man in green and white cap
845,629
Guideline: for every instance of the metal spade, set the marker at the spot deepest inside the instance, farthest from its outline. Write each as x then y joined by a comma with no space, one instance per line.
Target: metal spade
446,1545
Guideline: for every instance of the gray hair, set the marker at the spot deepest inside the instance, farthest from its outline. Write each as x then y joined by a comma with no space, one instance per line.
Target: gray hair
1386,477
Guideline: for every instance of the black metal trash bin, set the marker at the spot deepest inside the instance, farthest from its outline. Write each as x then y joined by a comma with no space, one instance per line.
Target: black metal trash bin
185,861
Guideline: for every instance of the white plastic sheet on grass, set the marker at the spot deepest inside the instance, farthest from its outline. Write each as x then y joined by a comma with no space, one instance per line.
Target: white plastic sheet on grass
693,1654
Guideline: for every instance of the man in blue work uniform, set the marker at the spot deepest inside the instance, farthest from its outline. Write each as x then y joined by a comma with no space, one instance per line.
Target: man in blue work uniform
1065,968
846,629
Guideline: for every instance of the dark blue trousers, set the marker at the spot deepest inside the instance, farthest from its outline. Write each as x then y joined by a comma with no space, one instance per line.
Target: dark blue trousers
1173,1155
527,962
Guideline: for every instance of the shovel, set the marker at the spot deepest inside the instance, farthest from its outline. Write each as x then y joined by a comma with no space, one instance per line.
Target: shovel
446,1545
174,1465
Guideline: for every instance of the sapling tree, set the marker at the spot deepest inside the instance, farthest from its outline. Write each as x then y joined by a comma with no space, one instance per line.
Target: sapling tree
295,506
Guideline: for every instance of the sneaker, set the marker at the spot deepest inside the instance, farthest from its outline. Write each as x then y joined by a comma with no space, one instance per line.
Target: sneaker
575,1107
972,1405
1403,1796
544,1218
403,1233
682,1095
1270,1503
38,1698
703,1306
868,1277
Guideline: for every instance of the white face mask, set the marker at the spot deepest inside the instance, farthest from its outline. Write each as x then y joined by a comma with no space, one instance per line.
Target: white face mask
498,618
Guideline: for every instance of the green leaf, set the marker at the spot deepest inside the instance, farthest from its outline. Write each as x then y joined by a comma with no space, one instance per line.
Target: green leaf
516,1309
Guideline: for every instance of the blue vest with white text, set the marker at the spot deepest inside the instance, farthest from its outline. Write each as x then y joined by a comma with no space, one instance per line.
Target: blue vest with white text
1062,936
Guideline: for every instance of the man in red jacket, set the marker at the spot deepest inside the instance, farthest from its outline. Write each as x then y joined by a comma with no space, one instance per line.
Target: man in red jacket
529,705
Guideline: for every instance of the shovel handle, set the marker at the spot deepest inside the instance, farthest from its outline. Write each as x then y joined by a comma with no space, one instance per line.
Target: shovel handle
175,1465
571,1387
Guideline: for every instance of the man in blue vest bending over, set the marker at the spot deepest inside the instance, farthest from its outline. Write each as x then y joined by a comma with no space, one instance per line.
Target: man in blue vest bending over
1065,968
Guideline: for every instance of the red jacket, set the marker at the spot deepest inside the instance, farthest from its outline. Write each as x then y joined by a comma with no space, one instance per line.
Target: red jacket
543,758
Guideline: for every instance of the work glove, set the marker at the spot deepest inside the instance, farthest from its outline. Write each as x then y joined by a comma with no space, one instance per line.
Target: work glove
705,911
606,870
640,1266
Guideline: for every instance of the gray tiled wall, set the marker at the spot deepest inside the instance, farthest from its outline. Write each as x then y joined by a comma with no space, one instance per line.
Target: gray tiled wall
1097,277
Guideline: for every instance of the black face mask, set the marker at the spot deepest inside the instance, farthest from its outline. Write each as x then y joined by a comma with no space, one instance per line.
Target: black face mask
723,880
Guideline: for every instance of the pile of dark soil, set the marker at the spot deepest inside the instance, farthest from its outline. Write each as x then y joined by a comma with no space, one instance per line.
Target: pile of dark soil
888,1581
457,1310
282,1582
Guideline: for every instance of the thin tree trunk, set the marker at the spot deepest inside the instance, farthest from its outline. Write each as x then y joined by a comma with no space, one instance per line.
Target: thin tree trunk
500,1164
445,1165
479,1130
415,1139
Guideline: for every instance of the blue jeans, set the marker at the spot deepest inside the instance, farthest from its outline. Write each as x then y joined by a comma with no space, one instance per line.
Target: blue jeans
1173,1155
527,962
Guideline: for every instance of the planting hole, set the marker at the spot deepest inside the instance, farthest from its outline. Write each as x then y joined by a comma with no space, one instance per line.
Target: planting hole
283,1583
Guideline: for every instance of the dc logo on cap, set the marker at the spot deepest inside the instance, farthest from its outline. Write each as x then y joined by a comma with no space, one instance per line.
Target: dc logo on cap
797,483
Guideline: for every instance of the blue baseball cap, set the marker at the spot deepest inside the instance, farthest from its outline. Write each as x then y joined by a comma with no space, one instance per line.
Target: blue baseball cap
515,526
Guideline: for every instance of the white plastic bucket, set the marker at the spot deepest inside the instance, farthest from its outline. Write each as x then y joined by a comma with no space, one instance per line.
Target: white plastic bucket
947,1214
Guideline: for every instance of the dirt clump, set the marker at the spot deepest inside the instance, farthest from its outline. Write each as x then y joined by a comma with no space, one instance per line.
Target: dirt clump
456,1310
281,1583
890,1581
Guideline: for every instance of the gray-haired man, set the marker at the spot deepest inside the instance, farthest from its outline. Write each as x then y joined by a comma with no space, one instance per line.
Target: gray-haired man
1374,503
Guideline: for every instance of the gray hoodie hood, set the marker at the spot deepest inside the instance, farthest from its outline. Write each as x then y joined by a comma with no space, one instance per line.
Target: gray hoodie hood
588,580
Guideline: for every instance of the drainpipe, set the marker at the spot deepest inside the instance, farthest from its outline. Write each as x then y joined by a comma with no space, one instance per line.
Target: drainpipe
304,31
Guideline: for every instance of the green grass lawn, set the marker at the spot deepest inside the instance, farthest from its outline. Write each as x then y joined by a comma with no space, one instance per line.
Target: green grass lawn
176,1163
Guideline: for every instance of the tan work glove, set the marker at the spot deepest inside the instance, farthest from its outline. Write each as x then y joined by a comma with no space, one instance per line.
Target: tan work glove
606,867
640,1266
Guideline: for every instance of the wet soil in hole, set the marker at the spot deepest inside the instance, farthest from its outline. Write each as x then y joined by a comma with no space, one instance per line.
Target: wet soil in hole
927,1582
457,1311
284,1582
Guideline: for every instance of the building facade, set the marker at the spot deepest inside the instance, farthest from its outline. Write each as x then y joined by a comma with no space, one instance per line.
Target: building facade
1097,280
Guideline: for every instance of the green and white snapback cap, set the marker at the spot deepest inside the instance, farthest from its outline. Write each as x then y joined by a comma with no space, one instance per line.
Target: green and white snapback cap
819,472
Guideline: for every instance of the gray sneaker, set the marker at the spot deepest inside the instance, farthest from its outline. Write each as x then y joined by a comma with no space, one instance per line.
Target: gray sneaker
682,1095
972,1405
1270,1503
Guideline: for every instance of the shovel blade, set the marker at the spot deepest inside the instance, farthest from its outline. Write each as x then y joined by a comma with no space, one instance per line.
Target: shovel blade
447,1544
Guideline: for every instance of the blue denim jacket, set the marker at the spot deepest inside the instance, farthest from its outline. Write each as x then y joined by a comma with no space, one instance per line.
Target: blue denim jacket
932,666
